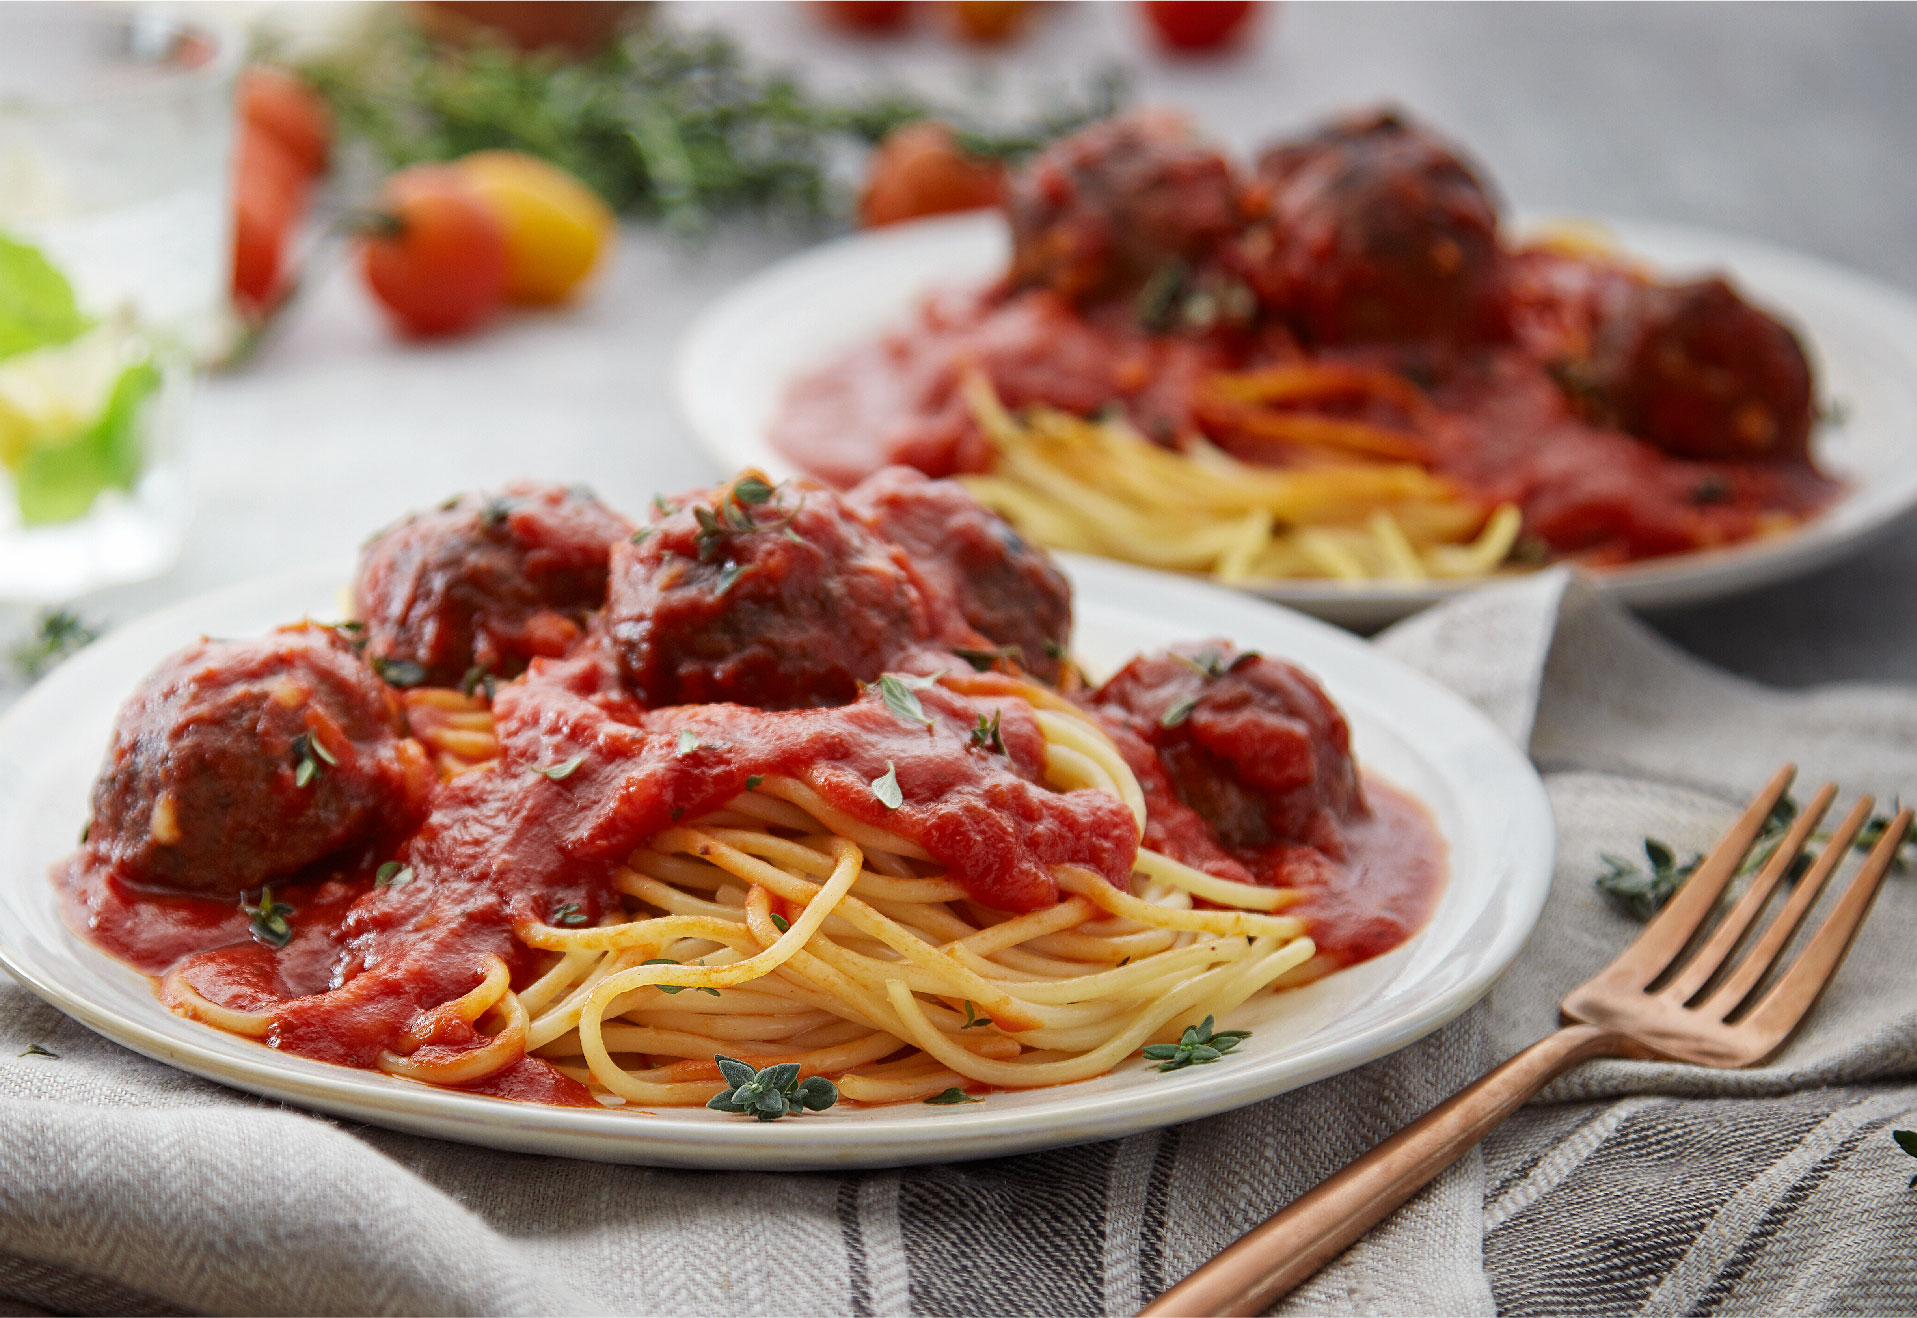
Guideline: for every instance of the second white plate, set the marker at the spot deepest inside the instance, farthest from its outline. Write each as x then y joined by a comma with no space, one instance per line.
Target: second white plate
742,353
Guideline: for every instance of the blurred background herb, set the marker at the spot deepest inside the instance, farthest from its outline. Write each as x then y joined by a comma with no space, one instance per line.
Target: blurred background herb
662,123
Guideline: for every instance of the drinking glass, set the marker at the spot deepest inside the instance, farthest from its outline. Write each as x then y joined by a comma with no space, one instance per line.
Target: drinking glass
115,157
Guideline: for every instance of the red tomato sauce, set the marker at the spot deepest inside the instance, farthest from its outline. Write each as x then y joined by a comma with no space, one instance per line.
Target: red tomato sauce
506,846
1504,429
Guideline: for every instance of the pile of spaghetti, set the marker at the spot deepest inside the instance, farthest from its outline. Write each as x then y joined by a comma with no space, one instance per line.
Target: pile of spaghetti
1350,503
780,929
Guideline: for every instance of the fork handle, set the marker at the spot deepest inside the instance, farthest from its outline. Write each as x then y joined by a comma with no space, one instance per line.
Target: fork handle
1269,1261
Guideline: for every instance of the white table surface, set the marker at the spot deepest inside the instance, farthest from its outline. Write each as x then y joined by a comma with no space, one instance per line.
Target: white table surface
1792,123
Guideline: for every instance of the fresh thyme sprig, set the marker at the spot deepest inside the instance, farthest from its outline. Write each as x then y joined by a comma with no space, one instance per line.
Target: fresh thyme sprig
986,735
1643,889
269,924
772,1093
57,634
1199,1044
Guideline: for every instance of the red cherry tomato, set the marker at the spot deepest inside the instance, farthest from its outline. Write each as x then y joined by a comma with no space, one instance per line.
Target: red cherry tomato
988,22
866,15
269,196
920,169
278,103
437,258
1197,24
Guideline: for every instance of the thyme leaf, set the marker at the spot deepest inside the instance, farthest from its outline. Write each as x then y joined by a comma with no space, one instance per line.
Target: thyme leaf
1180,711
562,771
1199,1043
688,742
393,875
986,735
948,1097
772,1093
887,788
676,988
972,1019
401,673
568,913
269,924
57,634
902,699
35,1050
983,661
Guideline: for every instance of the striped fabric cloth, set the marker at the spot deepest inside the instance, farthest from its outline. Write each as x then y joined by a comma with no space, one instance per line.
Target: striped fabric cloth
1631,1188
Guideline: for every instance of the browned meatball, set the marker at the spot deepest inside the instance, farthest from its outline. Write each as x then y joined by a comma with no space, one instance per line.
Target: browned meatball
782,599
240,762
1701,373
1098,213
972,562
1252,744
1376,230
484,581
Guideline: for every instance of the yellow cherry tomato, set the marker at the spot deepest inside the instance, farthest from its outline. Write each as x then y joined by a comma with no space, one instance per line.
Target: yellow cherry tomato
557,229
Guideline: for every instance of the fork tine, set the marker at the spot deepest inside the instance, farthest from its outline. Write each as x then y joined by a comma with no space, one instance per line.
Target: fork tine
1665,936
1716,952
1798,989
1757,962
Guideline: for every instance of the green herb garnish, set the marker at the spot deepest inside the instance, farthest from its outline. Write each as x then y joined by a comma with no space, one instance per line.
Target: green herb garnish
1198,1044
1906,1140
401,673
983,661
57,634
676,988
972,1019
780,923
734,516
986,735
269,923
311,754
688,742
568,913
753,781
35,1050
562,771
945,1098
902,700
887,788
478,677
772,1093
1180,711
392,875
729,575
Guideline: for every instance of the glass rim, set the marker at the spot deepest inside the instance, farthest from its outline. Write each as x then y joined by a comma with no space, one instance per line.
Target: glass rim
221,64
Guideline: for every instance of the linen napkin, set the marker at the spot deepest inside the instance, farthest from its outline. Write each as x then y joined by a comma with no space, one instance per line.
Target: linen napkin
1628,1188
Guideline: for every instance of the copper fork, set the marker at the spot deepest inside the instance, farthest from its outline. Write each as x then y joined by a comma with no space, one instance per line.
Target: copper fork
1659,999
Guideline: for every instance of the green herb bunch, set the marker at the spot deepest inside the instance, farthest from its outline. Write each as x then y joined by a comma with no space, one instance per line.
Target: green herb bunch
1643,889
772,1093
56,634
664,123
1199,1043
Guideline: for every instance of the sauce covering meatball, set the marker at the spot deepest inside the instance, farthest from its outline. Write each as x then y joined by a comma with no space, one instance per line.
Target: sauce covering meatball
237,763
1252,744
1098,213
485,582
977,572
1375,230
783,599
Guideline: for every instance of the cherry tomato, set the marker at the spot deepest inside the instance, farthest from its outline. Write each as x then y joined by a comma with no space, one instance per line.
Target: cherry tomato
989,22
269,196
1198,24
921,169
575,27
437,257
866,15
557,229
278,103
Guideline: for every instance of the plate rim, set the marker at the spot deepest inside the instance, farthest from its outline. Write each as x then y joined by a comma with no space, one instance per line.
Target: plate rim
1697,577
1522,885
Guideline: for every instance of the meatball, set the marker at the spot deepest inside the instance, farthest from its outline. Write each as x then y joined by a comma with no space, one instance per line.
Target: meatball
1097,214
240,762
1375,230
1701,373
484,581
1253,745
971,563
783,599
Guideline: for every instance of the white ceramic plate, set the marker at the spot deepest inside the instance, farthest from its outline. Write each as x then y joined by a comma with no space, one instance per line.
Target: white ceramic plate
737,360
1485,796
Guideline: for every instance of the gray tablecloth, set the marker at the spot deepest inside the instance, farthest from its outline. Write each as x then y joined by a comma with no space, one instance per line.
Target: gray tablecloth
126,1186
1633,1188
